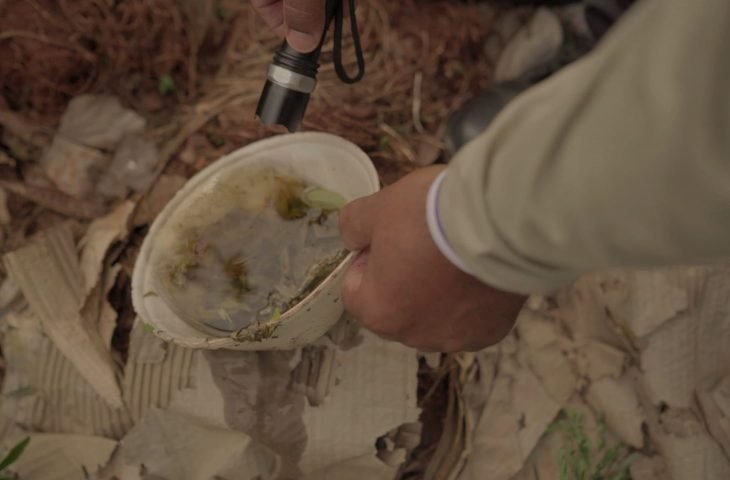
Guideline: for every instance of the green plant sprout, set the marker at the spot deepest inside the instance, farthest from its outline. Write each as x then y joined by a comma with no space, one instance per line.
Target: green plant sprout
325,200
580,459
12,457
166,84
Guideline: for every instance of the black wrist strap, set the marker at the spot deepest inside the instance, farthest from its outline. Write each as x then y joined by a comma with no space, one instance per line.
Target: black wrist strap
339,67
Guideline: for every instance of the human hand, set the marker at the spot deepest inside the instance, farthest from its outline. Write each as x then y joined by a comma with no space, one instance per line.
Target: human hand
301,22
402,288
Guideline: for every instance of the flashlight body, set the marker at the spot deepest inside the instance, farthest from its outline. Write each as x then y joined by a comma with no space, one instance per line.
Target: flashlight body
291,79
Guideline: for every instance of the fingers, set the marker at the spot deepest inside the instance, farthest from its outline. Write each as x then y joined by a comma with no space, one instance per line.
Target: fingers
361,299
271,12
304,20
357,221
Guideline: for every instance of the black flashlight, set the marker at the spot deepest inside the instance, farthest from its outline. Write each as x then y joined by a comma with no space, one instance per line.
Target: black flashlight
292,76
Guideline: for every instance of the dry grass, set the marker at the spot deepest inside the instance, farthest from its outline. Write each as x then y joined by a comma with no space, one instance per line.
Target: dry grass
424,59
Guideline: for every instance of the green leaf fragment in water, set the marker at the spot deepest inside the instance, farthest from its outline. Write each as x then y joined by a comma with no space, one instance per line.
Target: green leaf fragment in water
14,454
148,328
21,392
324,199
288,202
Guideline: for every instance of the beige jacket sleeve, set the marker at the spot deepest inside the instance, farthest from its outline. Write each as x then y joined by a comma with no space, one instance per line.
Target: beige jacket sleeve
621,159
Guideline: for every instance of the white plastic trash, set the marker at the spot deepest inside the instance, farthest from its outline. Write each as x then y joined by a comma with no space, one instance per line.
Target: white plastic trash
322,159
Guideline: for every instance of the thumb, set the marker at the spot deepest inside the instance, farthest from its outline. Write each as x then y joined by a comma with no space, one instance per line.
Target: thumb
352,291
357,221
304,21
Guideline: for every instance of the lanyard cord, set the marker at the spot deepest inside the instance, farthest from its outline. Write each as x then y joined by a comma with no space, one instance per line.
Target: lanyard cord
339,67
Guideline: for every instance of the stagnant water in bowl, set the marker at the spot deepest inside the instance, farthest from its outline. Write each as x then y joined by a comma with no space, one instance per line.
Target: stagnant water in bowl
278,240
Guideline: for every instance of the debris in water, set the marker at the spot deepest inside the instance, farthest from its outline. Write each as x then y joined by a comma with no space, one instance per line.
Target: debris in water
249,250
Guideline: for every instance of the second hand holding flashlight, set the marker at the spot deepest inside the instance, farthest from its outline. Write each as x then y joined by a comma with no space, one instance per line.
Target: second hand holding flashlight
292,75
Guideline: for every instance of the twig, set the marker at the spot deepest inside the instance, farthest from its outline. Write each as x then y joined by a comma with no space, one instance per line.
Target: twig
416,107
18,126
8,34
401,143
55,200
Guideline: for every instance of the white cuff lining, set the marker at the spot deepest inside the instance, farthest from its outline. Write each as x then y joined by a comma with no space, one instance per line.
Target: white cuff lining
434,225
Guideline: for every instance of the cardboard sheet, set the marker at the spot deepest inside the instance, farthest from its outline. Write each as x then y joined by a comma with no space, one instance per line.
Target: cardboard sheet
175,447
63,457
48,273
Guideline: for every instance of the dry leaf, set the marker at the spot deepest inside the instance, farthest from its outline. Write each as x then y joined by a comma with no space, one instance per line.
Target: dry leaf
9,296
476,391
495,450
170,445
583,308
543,462
99,237
517,413
97,313
715,406
619,404
375,392
668,362
712,328
5,217
55,200
98,121
48,273
433,359
648,468
535,408
20,127
132,167
74,168
453,447
655,297
688,450
366,467
549,354
63,457
596,360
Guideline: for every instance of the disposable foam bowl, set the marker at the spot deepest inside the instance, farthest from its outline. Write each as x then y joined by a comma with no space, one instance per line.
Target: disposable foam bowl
321,159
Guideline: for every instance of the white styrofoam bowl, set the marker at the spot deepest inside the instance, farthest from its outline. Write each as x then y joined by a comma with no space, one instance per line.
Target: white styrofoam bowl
322,159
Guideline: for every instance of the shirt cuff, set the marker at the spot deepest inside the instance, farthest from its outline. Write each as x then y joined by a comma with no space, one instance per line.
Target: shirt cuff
436,228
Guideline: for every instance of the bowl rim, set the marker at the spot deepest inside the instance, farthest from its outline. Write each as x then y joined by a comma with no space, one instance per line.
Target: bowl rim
142,263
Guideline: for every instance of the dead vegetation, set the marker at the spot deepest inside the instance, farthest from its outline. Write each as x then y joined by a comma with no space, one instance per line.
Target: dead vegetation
175,83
